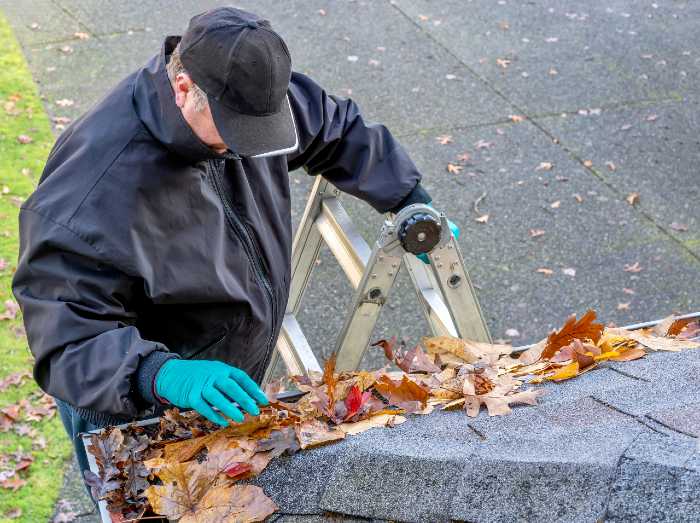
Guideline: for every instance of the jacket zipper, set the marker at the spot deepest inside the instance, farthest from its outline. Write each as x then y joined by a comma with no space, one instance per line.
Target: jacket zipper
254,256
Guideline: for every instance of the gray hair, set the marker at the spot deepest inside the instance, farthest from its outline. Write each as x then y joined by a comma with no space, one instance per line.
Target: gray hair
174,68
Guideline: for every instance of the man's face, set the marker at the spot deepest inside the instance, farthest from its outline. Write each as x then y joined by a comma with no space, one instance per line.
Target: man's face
198,118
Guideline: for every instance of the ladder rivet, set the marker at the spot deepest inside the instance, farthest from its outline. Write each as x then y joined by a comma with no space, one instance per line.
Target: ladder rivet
437,258
439,265
390,274
374,275
421,236
394,265
449,246
381,258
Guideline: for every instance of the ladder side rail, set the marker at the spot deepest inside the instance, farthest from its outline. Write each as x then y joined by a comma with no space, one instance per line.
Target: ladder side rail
294,350
370,296
345,242
436,312
307,243
460,296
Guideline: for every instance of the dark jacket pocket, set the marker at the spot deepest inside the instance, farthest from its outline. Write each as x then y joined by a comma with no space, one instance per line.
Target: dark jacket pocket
196,352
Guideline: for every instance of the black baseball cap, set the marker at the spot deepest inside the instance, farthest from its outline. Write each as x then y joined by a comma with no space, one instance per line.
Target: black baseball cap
244,67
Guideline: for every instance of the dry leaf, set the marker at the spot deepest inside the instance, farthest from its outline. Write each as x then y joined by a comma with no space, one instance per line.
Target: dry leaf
635,267
484,218
623,306
516,118
379,421
564,373
454,168
313,433
632,198
544,166
680,227
449,345
578,198
545,271
503,62
11,310
444,139
611,166
569,271
555,205
657,343
536,233
24,139
583,329
629,354
588,163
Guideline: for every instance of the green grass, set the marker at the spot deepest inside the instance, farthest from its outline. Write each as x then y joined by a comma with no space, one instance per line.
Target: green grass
20,167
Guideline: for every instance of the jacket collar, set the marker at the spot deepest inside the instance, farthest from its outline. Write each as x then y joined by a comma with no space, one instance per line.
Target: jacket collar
154,101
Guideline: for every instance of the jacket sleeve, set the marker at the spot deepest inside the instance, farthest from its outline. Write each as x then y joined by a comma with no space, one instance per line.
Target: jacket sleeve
359,158
79,324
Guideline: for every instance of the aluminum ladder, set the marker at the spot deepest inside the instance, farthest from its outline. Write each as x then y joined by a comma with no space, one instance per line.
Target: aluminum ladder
444,289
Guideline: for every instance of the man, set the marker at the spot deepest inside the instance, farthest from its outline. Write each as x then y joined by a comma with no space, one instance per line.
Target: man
155,254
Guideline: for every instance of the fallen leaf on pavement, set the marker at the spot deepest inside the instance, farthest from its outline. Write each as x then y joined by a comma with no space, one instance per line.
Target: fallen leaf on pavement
484,218
632,198
635,267
503,62
545,271
454,168
444,139
544,166
536,233
680,227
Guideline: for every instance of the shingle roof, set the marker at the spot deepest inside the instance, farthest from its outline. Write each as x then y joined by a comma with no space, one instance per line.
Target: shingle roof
619,443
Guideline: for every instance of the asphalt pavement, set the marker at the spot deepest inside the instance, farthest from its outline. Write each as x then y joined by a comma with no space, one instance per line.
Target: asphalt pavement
574,127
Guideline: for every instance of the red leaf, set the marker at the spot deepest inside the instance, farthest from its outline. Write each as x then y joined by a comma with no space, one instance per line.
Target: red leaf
353,401
237,469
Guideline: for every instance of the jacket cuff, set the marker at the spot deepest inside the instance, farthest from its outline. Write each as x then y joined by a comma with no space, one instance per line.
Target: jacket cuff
146,375
417,195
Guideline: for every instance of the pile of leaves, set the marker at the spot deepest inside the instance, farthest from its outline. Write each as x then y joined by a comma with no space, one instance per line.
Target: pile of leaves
188,469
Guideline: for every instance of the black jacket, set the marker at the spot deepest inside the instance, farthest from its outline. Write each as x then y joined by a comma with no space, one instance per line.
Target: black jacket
141,243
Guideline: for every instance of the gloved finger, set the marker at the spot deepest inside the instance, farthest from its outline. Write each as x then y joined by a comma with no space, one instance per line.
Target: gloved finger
235,392
206,411
423,257
248,385
454,229
221,402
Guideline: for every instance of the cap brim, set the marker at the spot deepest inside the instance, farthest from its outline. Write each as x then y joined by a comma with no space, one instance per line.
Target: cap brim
256,136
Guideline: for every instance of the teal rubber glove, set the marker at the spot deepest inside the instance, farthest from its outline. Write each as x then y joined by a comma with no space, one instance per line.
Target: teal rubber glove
455,232
202,384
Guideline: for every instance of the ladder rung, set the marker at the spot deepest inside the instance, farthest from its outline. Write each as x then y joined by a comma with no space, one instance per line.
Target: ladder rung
294,348
435,309
341,236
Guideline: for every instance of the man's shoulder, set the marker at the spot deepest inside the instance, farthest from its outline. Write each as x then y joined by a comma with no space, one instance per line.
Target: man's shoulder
95,144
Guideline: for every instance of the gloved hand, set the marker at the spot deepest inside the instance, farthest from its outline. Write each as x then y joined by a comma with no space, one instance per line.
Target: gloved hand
455,232
202,384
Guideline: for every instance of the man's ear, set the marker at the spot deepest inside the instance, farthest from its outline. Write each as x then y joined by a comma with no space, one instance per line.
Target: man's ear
182,86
